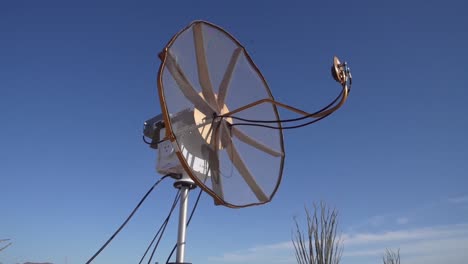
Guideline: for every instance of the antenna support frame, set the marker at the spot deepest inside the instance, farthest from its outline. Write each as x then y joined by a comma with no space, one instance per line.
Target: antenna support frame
184,183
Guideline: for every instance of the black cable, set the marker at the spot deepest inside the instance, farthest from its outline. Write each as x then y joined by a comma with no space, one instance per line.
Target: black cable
126,221
188,222
144,140
150,143
289,127
176,200
285,120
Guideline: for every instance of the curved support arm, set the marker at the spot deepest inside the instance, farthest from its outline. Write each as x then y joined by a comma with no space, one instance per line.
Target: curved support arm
344,97
341,73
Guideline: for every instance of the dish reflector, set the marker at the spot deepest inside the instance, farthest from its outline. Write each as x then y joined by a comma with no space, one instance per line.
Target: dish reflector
206,72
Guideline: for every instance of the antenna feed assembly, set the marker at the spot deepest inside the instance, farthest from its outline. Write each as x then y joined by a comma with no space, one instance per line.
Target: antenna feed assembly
341,72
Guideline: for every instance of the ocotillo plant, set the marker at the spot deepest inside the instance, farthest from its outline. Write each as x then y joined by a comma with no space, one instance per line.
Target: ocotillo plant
319,243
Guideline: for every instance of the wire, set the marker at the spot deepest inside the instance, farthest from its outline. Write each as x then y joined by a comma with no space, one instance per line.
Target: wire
144,140
151,143
176,200
346,87
126,221
7,245
288,127
260,123
286,120
188,222
162,229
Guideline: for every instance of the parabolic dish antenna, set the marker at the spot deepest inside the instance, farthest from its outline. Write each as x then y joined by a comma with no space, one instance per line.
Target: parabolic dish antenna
220,128
204,74
220,121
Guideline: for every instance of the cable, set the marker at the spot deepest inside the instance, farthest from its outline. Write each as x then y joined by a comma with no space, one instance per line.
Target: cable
325,111
151,143
188,222
286,120
7,245
126,221
176,200
163,227
144,140
289,127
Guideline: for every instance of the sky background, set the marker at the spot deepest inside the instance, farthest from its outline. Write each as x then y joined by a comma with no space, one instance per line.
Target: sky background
77,81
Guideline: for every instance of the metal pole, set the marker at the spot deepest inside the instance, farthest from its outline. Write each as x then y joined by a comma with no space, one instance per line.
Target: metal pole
182,224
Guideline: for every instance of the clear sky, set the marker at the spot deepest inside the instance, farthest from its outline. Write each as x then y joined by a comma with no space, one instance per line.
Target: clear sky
77,80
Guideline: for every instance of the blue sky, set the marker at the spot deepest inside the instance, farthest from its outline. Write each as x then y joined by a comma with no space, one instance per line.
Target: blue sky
77,80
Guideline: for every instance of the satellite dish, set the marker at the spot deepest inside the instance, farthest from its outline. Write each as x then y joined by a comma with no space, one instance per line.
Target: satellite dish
220,128
204,74
205,77
220,123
